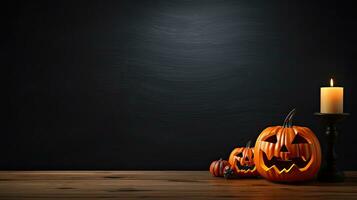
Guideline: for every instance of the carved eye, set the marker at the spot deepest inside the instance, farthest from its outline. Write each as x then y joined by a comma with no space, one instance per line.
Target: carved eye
240,154
271,139
299,139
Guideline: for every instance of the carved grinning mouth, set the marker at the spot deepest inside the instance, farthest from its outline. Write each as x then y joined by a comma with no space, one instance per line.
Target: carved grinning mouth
284,164
244,167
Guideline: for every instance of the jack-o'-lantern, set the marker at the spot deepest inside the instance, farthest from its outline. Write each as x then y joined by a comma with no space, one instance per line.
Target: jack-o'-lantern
241,161
287,153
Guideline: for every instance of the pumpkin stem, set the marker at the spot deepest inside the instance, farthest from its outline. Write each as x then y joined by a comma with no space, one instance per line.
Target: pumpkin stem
248,144
288,120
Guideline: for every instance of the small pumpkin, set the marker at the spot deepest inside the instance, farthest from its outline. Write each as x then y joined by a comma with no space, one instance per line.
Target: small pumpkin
242,161
229,173
287,153
217,167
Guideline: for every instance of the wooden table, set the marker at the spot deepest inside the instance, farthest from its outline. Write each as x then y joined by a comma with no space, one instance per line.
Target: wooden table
160,185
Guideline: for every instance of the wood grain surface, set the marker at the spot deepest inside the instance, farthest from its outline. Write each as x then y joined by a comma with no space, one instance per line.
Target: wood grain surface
160,185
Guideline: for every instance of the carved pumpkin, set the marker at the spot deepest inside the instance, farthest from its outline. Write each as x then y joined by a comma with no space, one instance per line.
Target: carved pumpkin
287,153
217,167
241,160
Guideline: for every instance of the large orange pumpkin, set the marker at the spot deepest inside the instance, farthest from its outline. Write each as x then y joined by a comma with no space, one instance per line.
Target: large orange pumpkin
241,161
287,153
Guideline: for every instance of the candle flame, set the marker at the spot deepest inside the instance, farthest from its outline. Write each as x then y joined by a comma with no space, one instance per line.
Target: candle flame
331,82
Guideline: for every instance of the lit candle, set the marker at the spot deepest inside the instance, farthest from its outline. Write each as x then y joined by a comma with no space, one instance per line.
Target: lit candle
331,99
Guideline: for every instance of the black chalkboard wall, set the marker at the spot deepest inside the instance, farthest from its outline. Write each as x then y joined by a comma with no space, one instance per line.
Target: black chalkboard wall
167,84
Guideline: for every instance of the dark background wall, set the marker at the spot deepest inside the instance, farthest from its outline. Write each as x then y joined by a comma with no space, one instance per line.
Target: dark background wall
167,84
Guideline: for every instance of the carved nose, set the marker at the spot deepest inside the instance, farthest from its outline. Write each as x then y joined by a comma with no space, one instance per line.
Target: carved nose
284,149
246,159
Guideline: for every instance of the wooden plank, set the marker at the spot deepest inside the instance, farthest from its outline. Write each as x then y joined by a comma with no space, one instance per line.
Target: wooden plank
160,185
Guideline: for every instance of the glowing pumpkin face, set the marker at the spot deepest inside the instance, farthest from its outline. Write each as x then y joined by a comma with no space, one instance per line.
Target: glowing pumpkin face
287,153
241,160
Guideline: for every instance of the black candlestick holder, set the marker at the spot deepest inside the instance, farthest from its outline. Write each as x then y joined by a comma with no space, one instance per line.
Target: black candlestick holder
329,171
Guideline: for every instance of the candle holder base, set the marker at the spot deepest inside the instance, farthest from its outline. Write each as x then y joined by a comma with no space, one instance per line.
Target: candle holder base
328,175
329,171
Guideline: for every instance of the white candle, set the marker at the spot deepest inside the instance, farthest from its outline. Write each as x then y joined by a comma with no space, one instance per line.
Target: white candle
331,100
